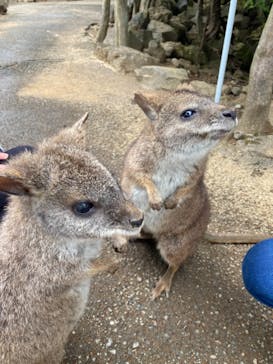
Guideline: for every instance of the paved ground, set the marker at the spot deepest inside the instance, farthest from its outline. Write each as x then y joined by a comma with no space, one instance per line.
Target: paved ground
48,78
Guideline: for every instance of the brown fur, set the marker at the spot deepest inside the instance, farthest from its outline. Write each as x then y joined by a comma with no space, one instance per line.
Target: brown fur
46,250
164,170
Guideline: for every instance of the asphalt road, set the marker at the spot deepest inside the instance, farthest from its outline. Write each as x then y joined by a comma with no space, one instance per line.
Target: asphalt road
49,78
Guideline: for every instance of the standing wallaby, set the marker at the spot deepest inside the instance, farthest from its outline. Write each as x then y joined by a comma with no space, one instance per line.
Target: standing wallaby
164,169
66,204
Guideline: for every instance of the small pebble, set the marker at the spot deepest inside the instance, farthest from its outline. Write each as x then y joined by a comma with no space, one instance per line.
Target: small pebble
109,342
135,345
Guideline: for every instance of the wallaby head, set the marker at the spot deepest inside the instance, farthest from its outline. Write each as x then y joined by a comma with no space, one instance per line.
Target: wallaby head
66,190
186,121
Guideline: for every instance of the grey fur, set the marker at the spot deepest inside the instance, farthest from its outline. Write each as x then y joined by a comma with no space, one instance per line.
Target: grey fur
46,250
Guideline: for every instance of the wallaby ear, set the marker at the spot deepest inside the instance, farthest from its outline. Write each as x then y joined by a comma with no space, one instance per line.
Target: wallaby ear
150,104
75,135
13,182
81,123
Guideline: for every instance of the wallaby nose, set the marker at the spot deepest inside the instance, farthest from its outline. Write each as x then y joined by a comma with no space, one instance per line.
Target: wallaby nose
136,223
229,114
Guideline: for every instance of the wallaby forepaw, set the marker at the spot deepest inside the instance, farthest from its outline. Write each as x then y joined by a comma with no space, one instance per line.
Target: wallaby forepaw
156,203
156,206
103,264
170,204
120,244
120,248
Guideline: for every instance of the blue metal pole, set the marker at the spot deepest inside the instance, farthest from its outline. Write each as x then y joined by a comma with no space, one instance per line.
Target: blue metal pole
224,57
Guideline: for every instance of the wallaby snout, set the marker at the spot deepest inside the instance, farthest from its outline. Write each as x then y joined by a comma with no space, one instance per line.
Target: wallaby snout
136,223
135,216
229,114
130,218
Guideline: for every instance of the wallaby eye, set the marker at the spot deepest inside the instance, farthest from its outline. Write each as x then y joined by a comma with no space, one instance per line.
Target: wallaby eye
83,208
187,114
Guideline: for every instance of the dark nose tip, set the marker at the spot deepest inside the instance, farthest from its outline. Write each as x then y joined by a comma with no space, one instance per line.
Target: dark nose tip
229,114
136,223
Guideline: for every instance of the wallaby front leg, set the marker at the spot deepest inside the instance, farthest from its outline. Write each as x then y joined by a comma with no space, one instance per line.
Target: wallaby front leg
165,282
155,200
173,201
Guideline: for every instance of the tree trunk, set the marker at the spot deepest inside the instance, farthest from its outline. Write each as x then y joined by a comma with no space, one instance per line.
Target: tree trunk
121,23
199,19
136,6
104,21
255,118
4,6
145,4
214,19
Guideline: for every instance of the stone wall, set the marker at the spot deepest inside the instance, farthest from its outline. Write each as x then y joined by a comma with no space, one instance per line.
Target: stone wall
168,32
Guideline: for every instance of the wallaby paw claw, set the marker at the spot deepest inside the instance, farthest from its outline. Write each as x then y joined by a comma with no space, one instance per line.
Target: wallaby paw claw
161,287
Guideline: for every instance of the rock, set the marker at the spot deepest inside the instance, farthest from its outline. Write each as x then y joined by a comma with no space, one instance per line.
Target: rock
160,14
242,21
190,53
242,54
164,31
155,50
139,39
157,77
169,47
175,62
135,345
168,4
139,20
204,88
185,20
124,59
214,48
227,90
178,50
135,39
236,90
192,11
240,75
180,29
182,5
181,63
192,34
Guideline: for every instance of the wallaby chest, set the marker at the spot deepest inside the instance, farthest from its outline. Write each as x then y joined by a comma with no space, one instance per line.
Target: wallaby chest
171,172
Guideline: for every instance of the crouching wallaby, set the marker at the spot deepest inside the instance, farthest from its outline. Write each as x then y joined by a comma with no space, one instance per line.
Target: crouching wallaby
164,171
66,203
